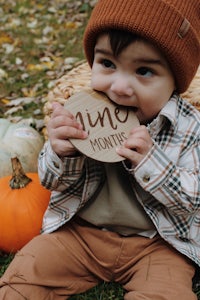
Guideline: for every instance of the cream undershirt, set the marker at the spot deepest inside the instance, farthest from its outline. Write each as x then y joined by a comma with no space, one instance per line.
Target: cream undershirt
116,207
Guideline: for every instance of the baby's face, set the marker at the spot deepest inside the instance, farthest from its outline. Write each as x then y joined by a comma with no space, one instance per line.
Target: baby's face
139,77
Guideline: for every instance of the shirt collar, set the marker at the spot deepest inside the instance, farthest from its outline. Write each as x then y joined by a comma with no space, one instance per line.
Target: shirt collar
168,114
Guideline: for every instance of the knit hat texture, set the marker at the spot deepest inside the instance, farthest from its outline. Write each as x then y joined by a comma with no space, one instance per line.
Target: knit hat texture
173,26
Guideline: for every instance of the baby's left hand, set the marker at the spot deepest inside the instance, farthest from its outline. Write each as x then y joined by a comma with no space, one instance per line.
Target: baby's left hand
136,146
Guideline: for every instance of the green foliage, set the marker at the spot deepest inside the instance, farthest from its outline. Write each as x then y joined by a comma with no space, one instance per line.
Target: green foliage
5,260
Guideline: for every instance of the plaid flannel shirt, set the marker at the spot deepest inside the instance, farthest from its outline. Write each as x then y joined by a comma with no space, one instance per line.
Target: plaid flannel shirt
169,174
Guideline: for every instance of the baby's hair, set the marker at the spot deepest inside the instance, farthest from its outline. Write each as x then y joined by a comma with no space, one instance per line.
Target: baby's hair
120,39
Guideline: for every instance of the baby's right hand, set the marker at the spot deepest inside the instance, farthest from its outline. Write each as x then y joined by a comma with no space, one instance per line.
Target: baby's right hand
61,127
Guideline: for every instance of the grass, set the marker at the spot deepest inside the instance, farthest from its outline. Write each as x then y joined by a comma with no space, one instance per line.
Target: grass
5,260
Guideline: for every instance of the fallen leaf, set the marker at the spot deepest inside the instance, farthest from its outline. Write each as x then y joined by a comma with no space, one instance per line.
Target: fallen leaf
13,110
5,38
21,100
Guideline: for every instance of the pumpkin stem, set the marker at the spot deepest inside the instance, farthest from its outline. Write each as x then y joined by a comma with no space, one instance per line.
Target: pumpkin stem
19,178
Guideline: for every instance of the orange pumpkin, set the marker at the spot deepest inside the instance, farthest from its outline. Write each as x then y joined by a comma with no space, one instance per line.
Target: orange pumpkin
23,201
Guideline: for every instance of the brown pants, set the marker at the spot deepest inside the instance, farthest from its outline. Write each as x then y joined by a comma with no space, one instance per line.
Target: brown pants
76,258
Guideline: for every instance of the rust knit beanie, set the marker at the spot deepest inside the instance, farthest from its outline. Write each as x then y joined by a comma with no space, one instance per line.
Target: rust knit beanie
173,26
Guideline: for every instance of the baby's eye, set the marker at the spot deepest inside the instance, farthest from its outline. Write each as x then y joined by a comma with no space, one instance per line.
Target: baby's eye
144,71
107,63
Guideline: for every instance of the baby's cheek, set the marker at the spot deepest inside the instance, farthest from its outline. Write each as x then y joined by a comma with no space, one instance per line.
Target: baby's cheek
93,80
97,84
93,83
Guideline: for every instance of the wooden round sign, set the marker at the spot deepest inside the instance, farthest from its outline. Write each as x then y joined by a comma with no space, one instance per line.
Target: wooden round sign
106,123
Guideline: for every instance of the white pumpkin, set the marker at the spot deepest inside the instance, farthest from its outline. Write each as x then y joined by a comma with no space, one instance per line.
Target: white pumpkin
18,140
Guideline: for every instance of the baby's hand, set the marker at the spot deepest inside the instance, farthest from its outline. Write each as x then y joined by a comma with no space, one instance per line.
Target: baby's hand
61,127
136,146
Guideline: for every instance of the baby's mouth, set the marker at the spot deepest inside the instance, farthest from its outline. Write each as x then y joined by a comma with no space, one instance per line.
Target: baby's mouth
132,108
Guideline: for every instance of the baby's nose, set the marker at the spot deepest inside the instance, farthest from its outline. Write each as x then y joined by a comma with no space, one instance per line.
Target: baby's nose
122,86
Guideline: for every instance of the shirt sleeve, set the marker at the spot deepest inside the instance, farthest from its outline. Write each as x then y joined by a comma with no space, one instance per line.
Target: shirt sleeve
72,180
57,173
176,187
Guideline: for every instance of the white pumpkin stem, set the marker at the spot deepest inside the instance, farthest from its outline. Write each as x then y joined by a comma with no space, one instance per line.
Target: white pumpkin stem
19,178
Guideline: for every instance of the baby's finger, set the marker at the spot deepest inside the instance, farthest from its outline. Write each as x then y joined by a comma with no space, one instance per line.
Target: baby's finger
130,154
63,147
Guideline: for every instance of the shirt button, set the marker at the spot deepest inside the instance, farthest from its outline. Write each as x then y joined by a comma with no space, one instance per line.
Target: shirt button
146,178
